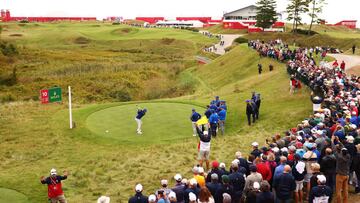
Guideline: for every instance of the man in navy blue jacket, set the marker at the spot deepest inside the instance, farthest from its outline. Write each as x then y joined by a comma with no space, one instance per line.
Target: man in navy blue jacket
321,192
195,116
284,186
138,197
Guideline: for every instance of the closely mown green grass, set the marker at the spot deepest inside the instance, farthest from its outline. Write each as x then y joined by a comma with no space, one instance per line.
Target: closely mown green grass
12,196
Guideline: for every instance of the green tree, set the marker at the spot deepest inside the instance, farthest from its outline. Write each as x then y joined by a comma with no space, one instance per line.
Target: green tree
316,8
295,9
266,13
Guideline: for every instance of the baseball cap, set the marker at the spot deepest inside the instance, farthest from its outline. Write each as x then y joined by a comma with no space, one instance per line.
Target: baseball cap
256,185
164,182
214,176
138,188
206,132
215,164
192,196
222,165
177,177
193,181
255,144
321,178
53,172
201,170
172,194
103,199
225,178
152,198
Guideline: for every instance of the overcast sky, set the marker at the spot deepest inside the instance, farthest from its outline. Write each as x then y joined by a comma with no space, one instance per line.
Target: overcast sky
334,11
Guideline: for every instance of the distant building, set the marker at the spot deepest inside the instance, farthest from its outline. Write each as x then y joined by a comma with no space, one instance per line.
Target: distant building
245,18
151,20
347,23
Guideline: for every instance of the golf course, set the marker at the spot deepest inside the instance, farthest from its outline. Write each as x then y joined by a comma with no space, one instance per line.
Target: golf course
112,70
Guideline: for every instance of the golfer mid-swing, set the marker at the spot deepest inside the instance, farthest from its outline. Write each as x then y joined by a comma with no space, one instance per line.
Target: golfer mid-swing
140,113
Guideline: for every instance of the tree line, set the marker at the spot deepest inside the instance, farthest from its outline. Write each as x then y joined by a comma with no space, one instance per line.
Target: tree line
266,14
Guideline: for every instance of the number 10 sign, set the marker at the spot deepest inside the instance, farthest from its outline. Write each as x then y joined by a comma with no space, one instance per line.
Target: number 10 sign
50,95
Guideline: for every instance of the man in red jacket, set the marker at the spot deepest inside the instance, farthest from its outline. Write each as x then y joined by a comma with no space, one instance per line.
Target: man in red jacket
264,169
55,192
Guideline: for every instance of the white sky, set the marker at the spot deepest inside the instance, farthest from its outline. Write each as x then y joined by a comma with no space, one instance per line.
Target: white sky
334,11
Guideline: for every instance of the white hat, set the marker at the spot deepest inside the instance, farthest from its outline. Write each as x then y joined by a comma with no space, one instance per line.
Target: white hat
321,178
152,198
353,126
284,149
193,181
352,103
138,188
192,196
222,165
299,138
195,169
103,199
172,194
319,132
201,170
235,162
164,182
275,149
206,132
185,181
177,177
320,124
350,139
256,185
53,172
345,108
255,144
353,113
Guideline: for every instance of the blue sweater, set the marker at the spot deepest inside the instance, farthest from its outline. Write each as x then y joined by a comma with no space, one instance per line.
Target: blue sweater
222,115
214,118
140,113
195,116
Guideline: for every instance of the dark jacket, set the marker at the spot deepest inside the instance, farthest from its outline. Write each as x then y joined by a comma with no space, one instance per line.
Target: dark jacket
179,190
237,180
356,163
342,162
213,188
138,198
284,186
320,191
328,165
267,197
214,170
203,138
196,191
224,189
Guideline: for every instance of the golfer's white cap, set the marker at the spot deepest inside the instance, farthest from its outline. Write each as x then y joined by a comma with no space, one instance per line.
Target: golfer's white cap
192,196
152,198
138,188
53,171
206,132
255,144
177,177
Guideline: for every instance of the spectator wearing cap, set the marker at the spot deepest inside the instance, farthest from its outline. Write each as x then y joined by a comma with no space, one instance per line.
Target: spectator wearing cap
191,189
205,196
200,177
321,192
192,198
223,169
250,112
263,168
214,169
194,117
253,177
204,150
237,180
214,185
216,102
226,198
179,188
152,198
284,185
242,162
356,168
208,112
225,188
172,197
164,187
256,152
265,195
138,197
313,180
342,171
251,195
55,192
299,172
309,158
328,167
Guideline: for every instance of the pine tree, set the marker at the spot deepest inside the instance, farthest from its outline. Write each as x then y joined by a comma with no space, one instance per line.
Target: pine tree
316,8
266,13
295,9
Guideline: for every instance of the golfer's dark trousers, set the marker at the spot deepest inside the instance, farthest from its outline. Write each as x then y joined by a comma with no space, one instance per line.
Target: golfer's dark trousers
249,118
213,127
